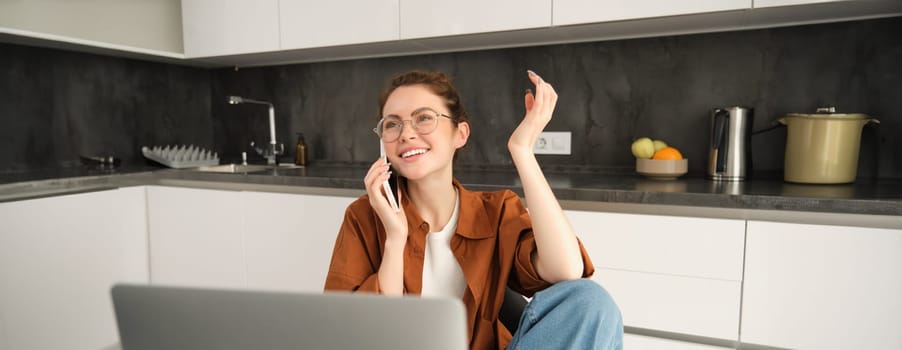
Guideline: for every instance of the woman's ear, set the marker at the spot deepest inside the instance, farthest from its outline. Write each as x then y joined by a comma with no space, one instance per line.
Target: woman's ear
462,134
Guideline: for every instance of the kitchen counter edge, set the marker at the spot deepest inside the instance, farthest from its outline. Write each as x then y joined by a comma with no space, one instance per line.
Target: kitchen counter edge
871,213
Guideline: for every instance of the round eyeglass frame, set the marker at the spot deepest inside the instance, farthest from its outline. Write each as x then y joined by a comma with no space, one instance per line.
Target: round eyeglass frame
378,129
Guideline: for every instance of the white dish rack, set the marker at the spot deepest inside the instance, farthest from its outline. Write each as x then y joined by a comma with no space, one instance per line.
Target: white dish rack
181,156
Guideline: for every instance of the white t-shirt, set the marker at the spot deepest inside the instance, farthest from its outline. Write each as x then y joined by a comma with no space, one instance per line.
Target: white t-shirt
442,275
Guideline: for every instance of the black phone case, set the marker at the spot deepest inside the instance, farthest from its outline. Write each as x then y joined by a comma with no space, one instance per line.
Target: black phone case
393,183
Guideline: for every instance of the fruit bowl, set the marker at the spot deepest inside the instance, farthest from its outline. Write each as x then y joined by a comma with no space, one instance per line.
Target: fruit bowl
662,169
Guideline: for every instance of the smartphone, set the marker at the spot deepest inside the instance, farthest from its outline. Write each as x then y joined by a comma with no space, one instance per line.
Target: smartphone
387,186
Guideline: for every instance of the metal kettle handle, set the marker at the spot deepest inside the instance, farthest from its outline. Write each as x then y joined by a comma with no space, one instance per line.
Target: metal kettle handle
721,118
720,125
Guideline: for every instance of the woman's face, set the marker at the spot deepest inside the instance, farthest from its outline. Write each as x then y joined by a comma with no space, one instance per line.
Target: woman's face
414,155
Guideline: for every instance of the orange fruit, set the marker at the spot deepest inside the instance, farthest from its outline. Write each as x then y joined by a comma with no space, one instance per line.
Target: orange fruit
667,153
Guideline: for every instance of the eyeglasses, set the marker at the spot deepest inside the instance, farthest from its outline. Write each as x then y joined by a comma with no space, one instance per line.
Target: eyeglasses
389,128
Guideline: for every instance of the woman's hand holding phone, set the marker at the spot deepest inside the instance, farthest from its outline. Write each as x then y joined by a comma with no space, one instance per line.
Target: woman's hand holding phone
394,220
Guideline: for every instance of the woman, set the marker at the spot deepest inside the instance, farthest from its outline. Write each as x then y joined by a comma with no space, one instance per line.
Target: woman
448,241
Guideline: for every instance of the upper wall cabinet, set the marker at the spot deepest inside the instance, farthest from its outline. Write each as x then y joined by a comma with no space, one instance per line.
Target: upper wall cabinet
267,32
145,27
436,18
229,27
588,11
773,3
316,23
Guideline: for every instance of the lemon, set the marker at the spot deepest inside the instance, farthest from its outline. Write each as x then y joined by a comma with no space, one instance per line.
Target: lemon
643,148
659,145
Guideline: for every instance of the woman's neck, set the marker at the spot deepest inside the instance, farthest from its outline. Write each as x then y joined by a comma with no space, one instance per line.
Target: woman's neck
434,197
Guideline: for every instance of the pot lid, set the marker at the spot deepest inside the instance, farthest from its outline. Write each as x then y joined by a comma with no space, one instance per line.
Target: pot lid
829,112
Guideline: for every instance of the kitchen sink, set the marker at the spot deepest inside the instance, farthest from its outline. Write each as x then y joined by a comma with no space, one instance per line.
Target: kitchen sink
239,168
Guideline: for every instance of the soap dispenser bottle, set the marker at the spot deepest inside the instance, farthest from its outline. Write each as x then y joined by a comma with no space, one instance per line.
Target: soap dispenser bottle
300,155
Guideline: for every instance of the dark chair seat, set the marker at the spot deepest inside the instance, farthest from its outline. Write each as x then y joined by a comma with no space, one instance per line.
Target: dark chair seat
512,309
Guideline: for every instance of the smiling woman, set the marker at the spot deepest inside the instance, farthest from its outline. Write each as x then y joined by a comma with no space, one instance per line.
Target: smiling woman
447,241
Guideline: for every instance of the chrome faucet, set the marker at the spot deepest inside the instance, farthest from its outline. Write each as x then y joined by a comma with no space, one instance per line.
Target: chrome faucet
275,149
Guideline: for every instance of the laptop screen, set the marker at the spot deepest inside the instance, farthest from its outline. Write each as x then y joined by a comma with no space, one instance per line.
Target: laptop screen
153,317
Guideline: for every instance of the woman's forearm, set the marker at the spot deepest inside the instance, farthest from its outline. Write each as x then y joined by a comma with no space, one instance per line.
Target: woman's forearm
558,258
391,271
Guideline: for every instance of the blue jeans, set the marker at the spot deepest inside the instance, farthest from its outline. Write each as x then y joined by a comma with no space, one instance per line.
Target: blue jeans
576,314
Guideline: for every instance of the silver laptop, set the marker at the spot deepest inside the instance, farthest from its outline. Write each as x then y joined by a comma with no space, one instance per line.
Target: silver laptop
152,317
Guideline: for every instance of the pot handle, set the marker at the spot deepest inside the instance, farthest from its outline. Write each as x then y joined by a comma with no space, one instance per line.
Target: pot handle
872,121
773,125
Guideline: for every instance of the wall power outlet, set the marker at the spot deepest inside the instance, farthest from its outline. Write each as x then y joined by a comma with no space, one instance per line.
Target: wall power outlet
553,142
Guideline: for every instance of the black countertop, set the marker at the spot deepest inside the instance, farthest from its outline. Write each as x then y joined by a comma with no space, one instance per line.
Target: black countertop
874,197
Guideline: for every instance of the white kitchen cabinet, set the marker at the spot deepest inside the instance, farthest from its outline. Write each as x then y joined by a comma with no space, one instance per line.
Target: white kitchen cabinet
59,257
195,237
229,27
775,3
151,27
289,239
685,305
316,23
242,239
822,287
668,273
568,12
679,246
640,342
436,18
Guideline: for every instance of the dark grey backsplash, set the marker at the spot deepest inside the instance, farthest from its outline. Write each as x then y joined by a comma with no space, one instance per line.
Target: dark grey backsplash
61,104
57,105
610,93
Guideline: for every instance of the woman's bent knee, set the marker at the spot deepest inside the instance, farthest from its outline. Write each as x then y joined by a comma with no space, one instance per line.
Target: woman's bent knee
590,296
579,311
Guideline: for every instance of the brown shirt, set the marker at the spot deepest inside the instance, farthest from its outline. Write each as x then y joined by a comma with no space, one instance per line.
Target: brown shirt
493,244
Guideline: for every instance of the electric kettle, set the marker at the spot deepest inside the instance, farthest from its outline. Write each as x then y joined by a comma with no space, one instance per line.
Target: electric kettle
730,156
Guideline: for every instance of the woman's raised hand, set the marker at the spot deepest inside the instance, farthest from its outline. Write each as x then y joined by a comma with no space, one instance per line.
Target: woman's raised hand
558,256
395,222
539,108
